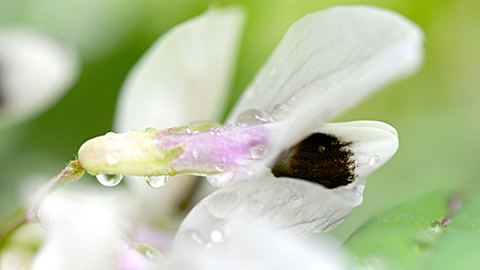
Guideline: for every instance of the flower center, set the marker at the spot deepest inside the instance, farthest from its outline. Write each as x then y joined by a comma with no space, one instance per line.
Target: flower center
320,158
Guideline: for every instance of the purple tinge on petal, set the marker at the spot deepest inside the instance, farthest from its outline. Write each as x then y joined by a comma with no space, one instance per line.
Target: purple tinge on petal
217,150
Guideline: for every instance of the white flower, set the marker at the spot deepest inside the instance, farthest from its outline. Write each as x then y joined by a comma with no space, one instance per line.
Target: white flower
327,62
35,70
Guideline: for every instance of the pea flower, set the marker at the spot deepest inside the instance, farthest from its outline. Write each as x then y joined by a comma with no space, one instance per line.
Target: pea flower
327,62
277,163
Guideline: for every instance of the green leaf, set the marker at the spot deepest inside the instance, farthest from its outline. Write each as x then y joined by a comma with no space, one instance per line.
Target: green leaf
412,236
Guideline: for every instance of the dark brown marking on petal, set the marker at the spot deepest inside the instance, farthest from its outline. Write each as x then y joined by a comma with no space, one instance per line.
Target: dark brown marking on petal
320,158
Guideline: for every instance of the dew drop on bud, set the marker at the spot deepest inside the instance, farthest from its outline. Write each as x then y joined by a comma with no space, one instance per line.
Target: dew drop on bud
109,180
253,117
113,158
258,152
156,181
374,160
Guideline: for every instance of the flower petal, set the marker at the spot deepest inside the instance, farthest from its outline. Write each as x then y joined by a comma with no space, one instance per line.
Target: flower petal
253,246
184,76
35,70
329,61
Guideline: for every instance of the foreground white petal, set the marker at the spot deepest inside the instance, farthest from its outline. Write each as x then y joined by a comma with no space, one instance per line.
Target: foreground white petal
329,61
183,77
253,246
36,69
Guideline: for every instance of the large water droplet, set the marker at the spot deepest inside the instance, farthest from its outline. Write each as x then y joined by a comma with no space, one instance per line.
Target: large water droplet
109,180
156,181
374,160
220,179
253,117
258,152
113,158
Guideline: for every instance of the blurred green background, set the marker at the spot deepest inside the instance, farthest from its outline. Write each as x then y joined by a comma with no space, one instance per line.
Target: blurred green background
436,112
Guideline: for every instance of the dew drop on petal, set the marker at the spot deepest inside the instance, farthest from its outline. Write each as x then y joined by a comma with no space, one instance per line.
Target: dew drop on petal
192,239
109,180
222,205
156,181
220,179
113,158
273,71
279,112
216,236
374,160
295,201
253,117
258,152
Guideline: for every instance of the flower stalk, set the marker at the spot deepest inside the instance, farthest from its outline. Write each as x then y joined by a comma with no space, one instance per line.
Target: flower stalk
27,213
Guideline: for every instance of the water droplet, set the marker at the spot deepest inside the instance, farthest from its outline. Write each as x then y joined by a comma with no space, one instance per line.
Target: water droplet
273,71
216,236
147,250
215,131
279,112
374,160
192,239
109,180
151,130
321,148
113,158
258,152
195,154
253,117
221,205
257,205
220,179
133,131
295,201
156,181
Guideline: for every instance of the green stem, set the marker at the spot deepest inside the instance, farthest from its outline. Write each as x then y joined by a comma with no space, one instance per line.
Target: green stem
72,172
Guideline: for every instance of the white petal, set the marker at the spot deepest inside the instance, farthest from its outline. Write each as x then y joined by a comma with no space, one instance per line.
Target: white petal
373,143
35,69
183,77
252,246
82,235
329,61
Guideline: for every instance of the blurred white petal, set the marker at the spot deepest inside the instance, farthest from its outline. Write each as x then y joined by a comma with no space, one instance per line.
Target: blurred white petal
249,245
36,69
327,62
185,75
85,232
